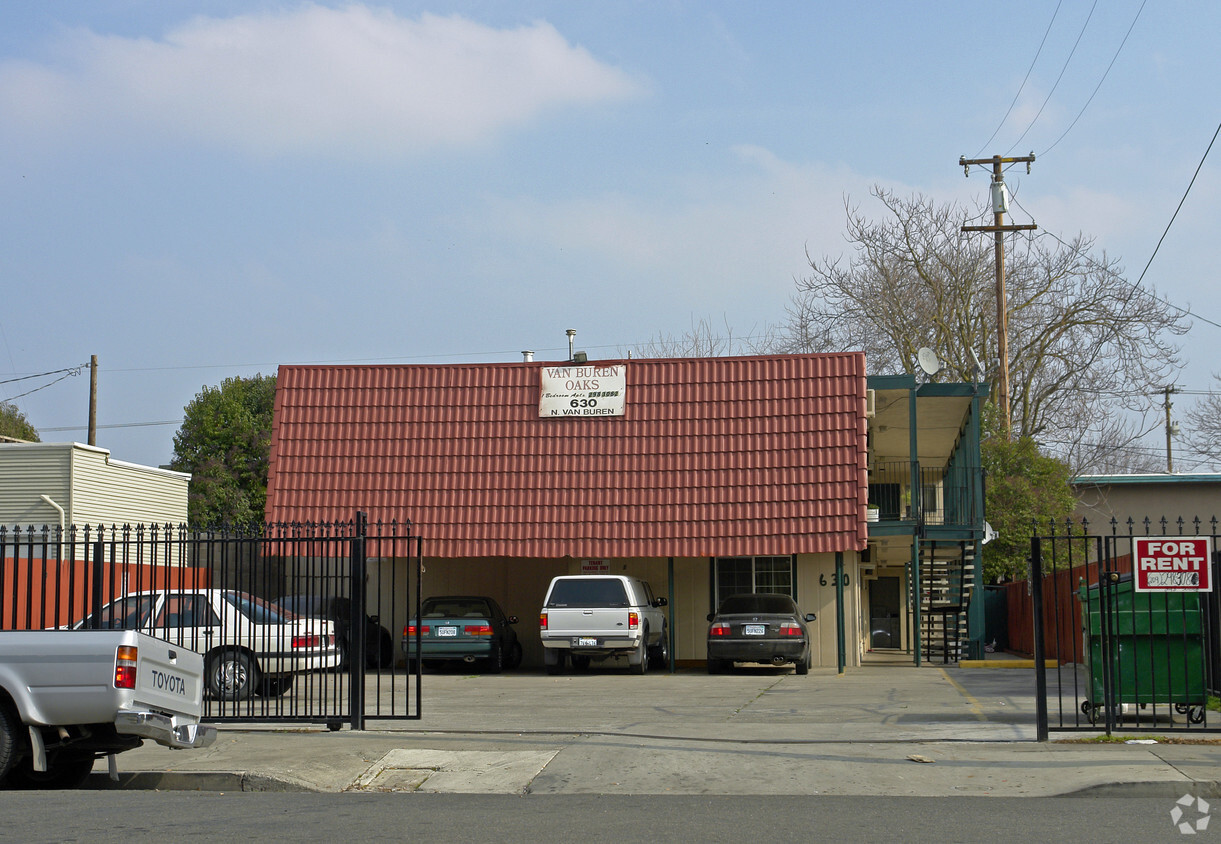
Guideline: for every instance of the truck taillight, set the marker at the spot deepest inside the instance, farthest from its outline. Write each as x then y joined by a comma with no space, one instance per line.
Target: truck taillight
125,667
633,621
542,621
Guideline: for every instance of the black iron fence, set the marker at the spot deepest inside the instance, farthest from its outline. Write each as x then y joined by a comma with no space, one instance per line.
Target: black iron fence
1126,626
296,622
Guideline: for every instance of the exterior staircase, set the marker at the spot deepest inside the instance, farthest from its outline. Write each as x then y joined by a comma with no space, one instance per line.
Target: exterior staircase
947,582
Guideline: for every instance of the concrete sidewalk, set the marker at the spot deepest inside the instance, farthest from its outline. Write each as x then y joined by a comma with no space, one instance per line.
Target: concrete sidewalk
897,731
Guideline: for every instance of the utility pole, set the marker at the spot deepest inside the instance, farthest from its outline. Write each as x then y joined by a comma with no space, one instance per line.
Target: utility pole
1171,428
93,400
1000,204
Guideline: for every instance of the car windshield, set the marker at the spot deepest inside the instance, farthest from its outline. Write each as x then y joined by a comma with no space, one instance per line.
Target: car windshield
589,592
455,608
758,604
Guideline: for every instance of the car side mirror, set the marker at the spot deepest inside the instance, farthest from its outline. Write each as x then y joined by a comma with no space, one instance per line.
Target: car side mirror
711,615
660,602
512,619
811,617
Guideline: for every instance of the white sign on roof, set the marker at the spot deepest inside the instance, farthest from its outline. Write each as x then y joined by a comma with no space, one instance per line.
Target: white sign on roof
583,391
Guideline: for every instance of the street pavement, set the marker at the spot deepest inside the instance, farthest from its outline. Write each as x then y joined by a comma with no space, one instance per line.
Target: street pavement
932,731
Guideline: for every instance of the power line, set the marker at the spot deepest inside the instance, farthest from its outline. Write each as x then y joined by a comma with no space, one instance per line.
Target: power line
116,425
1134,285
1025,79
1100,81
1071,53
1181,201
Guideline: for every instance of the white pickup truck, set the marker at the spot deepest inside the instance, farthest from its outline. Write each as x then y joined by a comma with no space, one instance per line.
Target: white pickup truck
68,698
603,616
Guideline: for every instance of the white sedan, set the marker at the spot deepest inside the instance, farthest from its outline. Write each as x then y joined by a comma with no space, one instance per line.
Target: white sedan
249,645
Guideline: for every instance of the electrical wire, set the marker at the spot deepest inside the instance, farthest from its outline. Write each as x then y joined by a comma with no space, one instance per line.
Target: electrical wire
1199,167
68,374
1100,81
1025,79
1071,53
1133,284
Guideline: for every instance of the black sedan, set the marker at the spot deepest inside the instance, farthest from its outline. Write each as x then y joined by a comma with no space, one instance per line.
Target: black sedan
379,646
759,627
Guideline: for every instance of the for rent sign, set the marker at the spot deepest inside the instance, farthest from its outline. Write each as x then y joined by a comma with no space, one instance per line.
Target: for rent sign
1172,564
583,391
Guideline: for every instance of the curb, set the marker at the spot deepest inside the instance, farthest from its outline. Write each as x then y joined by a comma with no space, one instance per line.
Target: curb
214,781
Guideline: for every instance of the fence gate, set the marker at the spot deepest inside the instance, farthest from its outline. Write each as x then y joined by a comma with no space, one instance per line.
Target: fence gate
297,622
1125,635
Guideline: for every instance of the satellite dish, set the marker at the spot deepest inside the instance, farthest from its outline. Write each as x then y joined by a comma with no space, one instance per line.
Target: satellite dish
928,361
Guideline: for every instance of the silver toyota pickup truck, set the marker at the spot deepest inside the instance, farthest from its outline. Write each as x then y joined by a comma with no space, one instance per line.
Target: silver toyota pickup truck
68,698
603,616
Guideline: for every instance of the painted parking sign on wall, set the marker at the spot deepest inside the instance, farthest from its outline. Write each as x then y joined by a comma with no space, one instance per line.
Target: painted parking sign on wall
1172,564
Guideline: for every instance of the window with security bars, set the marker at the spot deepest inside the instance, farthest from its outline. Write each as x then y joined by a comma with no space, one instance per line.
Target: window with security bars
738,575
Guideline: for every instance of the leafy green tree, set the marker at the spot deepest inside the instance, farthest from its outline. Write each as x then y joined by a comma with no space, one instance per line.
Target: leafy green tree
1025,488
225,443
14,425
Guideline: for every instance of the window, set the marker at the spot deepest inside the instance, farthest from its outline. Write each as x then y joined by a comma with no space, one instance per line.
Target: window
738,575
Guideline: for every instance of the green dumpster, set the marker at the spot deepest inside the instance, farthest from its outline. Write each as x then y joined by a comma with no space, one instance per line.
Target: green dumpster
1156,649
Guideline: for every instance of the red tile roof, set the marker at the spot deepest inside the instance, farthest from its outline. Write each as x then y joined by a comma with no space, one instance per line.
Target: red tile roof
714,457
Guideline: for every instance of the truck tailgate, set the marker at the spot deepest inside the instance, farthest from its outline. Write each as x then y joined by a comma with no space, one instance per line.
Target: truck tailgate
169,678
608,623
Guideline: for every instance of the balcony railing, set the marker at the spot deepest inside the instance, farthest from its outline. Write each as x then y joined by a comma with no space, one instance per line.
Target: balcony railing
941,496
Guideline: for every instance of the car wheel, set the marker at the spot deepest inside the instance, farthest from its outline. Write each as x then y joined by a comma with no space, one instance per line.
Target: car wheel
803,665
715,666
64,770
515,655
660,656
640,665
10,725
276,686
232,675
495,661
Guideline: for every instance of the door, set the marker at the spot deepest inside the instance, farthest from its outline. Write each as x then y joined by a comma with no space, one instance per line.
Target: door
884,613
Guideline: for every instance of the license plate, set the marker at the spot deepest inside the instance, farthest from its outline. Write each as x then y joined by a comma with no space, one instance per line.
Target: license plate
584,642
447,631
754,629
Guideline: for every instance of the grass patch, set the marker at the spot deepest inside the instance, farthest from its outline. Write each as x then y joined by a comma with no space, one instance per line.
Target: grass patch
1125,738
1214,704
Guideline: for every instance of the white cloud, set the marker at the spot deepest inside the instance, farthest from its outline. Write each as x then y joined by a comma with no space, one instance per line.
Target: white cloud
355,82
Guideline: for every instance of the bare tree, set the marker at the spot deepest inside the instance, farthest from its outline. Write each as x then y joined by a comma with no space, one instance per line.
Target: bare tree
1085,345
1202,431
702,341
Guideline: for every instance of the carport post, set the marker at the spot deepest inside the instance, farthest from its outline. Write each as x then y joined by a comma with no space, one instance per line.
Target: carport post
670,626
840,643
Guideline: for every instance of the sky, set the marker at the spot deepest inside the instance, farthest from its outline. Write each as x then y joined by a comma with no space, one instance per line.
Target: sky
193,191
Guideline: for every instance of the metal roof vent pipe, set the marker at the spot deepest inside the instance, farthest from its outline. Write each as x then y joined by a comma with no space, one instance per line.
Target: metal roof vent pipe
527,356
572,336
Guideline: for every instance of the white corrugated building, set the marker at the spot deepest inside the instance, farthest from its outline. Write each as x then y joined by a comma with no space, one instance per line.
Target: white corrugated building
76,484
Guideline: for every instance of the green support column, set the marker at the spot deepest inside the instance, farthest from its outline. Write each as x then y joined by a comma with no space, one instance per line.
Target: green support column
841,639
